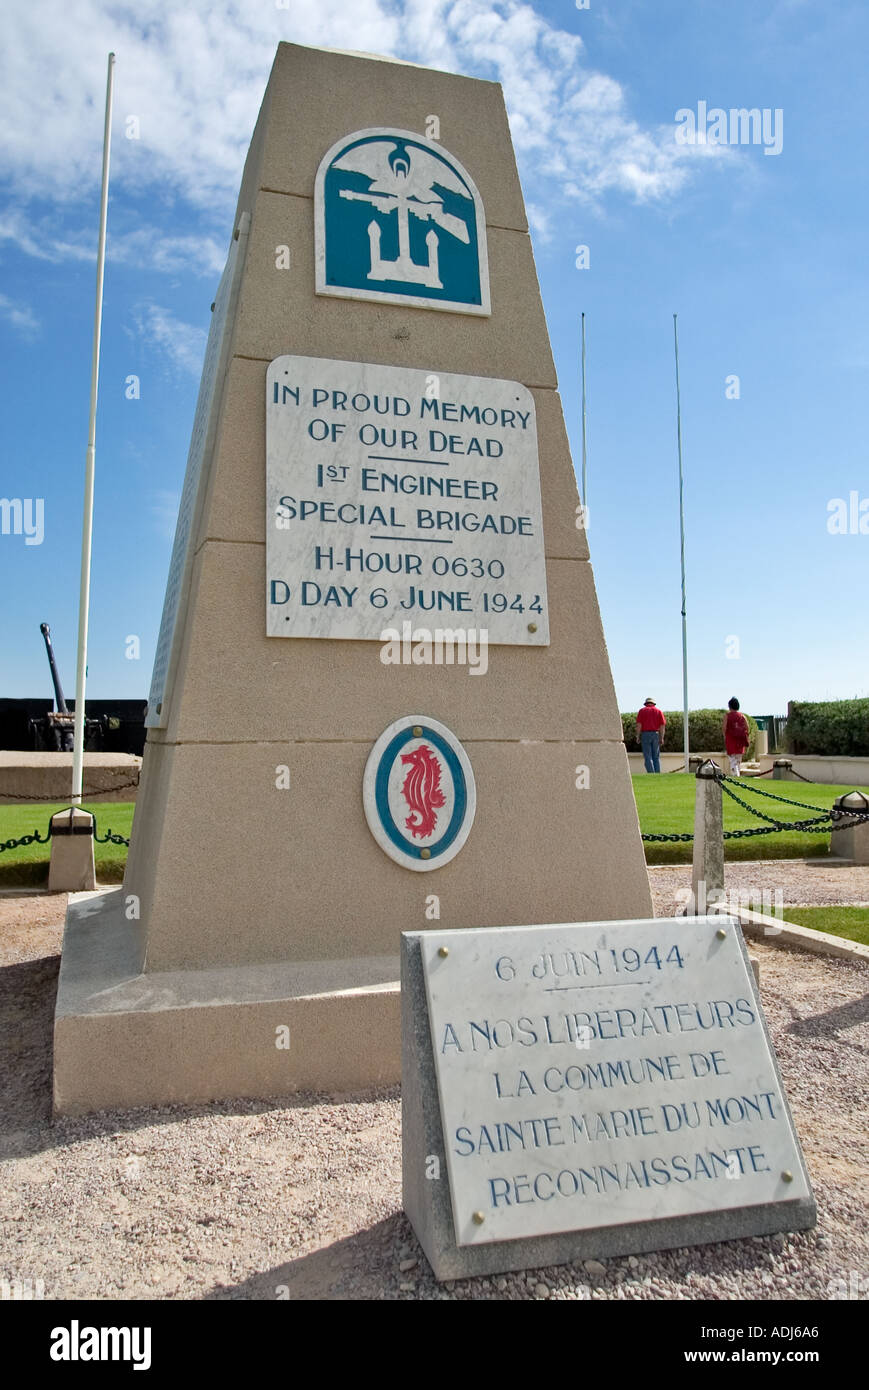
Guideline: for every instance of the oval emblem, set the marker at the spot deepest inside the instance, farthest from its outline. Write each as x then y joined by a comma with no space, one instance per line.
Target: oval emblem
419,793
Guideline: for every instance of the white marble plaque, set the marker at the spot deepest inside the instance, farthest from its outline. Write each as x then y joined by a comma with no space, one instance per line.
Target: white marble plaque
604,1073
401,502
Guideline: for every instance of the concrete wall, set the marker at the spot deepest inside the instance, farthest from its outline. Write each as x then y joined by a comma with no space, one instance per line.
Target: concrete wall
852,772
49,776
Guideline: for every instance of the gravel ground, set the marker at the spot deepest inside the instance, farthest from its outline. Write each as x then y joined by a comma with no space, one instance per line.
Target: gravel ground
302,1200
801,882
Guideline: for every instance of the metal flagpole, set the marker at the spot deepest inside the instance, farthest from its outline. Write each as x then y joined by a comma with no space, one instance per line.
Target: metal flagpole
584,440
87,520
682,548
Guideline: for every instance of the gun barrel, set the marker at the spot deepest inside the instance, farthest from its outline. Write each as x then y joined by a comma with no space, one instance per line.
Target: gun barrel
58,688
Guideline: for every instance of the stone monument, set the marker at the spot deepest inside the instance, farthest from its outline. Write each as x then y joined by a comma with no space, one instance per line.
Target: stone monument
381,697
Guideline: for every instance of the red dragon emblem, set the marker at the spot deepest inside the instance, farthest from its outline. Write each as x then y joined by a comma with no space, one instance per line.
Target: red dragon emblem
421,790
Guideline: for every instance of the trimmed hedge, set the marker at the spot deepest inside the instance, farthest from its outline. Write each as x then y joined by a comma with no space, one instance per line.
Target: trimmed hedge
830,728
704,731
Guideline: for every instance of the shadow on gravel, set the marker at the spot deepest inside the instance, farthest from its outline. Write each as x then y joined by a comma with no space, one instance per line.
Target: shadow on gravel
358,1267
364,1267
27,994
848,1015
28,991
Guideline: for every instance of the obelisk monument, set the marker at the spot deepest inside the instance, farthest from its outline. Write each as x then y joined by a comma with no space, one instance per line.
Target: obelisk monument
378,456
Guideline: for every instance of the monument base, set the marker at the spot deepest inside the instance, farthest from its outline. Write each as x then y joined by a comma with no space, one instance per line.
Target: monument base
123,1038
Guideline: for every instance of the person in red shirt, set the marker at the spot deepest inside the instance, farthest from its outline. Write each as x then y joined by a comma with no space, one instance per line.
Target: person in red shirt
736,735
650,731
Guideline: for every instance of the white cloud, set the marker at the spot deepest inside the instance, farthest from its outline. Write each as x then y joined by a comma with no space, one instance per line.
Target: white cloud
182,343
194,75
146,247
21,316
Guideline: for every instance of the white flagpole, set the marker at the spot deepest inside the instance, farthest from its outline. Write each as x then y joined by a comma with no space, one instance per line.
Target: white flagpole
88,518
682,550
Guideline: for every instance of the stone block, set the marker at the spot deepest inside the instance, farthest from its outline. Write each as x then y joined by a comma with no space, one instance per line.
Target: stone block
276,314
123,1038
471,121
427,1192
312,896
71,867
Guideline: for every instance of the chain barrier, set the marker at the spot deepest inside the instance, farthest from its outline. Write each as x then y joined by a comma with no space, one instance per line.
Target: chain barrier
822,822
659,839
109,838
804,828
792,770
772,796
33,839
818,824
9,798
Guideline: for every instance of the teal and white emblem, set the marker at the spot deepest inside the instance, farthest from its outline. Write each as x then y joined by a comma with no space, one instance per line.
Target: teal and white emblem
400,221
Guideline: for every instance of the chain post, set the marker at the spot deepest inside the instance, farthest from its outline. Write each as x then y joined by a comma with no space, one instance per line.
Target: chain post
707,867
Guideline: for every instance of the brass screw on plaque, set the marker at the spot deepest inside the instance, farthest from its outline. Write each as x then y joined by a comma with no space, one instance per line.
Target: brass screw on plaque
479,1218
417,731
787,1175
443,950
532,627
425,854
721,933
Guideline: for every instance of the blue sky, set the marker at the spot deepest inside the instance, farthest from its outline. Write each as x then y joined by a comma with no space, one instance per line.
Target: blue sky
763,257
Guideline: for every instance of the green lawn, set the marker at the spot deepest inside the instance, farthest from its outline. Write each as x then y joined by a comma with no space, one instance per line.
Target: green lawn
666,803
850,922
28,866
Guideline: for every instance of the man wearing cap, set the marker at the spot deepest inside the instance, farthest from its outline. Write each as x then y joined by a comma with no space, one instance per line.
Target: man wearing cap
650,731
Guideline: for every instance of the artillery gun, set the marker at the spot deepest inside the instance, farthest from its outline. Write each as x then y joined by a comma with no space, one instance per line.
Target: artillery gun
55,730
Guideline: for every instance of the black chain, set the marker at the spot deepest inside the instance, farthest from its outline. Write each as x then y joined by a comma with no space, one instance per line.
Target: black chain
661,838
819,824
776,824
109,837
10,797
803,827
772,820
35,838
761,791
